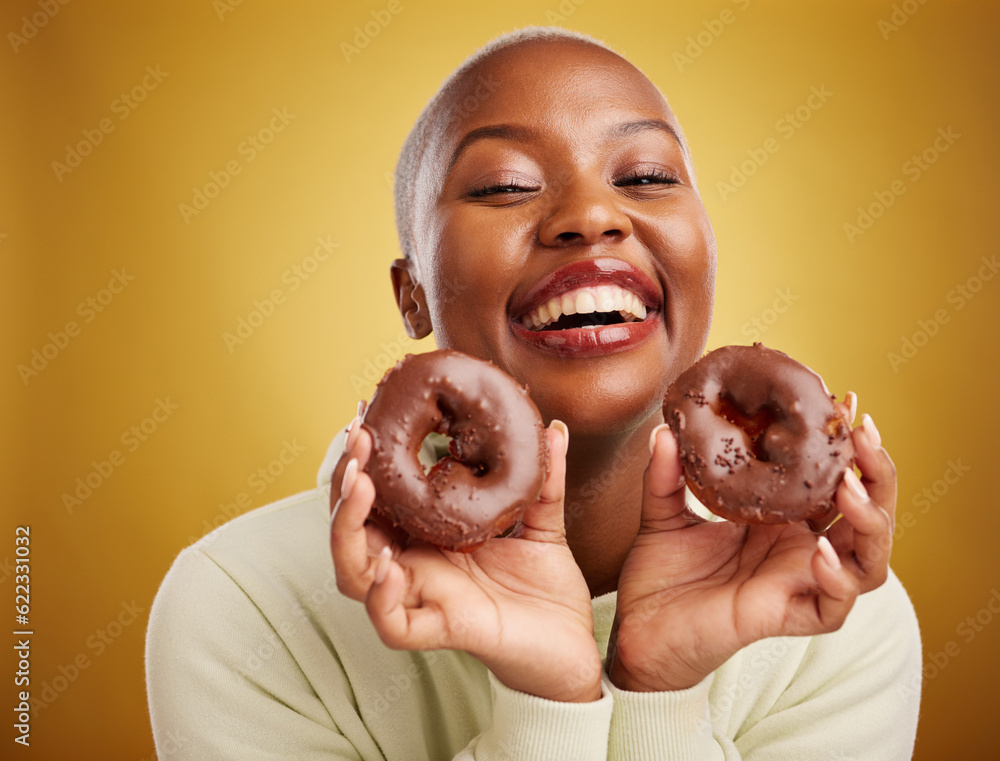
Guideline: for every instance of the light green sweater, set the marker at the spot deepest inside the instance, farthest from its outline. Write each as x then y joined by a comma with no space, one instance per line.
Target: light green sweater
252,653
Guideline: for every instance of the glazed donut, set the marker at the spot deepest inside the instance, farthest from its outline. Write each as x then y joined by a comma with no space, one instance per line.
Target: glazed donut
760,437
498,452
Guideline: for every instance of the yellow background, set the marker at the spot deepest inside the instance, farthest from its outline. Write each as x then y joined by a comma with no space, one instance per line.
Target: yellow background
842,305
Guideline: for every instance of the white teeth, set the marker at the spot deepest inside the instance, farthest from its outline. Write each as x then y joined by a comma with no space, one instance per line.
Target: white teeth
633,305
606,300
587,300
555,309
568,304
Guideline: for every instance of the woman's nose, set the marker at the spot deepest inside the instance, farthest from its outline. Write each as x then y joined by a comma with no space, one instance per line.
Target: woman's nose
584,213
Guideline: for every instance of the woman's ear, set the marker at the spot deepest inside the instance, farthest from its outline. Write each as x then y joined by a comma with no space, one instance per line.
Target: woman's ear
410,298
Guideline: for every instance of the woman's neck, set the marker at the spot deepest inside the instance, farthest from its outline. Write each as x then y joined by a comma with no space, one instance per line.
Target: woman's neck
604,501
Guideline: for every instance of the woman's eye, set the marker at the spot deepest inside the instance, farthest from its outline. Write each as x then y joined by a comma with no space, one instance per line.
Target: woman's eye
647,177
500,188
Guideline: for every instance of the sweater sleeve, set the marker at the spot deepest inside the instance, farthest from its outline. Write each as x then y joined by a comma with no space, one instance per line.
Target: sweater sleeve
674,725
529,728
850,694
224,683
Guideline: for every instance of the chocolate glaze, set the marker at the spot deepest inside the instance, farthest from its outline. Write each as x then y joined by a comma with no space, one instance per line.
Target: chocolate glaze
760,436
499,452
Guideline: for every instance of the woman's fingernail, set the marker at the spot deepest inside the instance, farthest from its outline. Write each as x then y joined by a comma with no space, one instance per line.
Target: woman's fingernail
829,554
350,477
851,399
362,406
652,437
382,564
560,426
871,431
855,485
352,433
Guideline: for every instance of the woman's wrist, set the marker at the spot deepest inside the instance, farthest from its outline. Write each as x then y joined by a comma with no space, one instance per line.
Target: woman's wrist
578,684
631,680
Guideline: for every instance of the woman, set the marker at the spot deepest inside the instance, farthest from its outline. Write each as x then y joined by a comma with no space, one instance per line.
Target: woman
615,623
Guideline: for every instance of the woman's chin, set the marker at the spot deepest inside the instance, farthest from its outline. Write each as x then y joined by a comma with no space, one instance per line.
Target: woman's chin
599,414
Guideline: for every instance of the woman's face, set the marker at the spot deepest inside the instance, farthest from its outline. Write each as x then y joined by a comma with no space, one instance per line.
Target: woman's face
556,183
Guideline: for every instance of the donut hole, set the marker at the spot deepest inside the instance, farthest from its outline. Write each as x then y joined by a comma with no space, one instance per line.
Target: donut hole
440,452
434,448
754,426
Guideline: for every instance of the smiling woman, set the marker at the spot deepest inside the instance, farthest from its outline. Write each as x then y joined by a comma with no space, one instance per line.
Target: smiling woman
588,156
549,223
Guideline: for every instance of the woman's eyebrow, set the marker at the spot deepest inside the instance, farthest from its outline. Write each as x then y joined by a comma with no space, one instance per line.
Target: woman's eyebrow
503,131
518,133
627,129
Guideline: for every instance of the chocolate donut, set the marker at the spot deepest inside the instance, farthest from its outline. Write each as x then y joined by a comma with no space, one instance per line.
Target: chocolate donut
760,436
498,452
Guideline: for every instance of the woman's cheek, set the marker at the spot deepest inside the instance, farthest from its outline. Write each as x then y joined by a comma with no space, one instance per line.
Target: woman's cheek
688,246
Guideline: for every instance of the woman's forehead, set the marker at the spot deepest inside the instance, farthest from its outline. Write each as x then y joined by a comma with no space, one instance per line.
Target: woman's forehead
571,86
531,79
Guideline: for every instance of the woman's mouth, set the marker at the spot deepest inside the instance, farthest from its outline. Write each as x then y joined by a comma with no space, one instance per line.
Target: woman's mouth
587,307
592,307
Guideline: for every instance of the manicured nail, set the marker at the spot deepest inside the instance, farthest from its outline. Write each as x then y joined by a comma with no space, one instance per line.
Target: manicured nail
382,564
851,399
855,485
871,431
350,477
652,437
829,554
352,433
560,426
362,406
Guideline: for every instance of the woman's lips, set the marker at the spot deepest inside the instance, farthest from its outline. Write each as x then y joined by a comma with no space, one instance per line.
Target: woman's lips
621,291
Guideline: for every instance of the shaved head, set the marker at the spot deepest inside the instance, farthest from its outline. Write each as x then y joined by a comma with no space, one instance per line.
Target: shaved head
421,165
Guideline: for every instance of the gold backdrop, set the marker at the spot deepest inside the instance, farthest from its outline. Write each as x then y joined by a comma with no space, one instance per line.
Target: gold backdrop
195,230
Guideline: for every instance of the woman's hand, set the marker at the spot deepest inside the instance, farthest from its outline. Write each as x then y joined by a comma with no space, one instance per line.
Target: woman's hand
692,593
518,603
